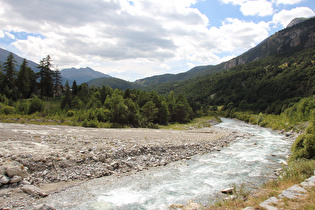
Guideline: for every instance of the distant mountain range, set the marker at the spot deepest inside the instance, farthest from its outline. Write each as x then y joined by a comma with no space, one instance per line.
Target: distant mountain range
81,75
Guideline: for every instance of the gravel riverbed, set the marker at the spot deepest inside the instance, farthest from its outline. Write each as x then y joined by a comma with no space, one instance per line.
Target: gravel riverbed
51,158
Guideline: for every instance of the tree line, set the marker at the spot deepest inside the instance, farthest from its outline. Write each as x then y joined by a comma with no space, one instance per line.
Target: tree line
26,92
24,83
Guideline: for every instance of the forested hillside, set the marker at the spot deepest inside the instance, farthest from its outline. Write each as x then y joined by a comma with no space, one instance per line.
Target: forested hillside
114,83
270,84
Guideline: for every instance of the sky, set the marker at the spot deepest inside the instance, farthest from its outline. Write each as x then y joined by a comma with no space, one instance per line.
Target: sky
134,39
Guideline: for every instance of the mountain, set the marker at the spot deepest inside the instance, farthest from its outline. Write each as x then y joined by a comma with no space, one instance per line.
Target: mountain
296,21
268,78
114,83
19,60
299,34
81,75
172,77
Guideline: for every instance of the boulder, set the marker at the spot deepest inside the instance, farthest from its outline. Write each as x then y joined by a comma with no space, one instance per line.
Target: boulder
12,170
44,207
309,183
267,204
34,191
227,191
192,206
176,206
4,179
293,192
16,179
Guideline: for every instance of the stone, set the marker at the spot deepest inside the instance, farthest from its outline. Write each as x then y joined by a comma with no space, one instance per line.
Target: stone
294,192
271,200
12,170
115,165
44,207
4,179
192,206
227,191
249,208
16,179
309,183
34,191
176,206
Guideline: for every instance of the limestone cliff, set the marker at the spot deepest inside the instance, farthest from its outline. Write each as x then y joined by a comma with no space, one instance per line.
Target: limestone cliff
298,35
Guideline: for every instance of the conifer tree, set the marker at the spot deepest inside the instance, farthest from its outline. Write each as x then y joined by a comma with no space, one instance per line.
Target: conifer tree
9,80
57,83
25,80
45,77
74,88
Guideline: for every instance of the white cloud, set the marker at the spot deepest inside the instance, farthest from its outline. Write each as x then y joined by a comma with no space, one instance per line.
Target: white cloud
1,34
290,2
126,39
258,7
284,17
253,7
11,36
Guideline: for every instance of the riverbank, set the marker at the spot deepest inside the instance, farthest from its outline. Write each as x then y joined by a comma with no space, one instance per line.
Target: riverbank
57,157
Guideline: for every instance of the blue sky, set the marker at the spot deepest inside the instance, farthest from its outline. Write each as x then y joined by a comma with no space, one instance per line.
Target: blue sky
140,38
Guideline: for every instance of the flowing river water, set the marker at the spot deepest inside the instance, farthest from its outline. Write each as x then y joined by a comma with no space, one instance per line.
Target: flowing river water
249,160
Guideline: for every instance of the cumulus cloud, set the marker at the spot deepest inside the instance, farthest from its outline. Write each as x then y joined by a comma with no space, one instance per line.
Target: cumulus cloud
284,17
259,7
122,36
253,7
1,34
290,2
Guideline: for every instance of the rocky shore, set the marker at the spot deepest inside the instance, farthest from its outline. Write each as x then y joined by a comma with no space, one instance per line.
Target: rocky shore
38,160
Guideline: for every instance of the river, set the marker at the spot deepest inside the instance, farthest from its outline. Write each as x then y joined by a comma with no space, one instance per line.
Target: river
250,159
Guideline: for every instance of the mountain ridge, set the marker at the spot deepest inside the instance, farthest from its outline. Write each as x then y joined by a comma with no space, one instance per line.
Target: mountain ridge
81,75
283,41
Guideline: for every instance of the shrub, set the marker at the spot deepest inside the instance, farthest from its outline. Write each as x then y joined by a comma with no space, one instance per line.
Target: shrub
70,113
90,123
304,147
8,110
36,105
22,107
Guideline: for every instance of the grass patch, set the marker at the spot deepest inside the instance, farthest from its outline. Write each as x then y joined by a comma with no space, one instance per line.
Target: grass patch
201,122
294,173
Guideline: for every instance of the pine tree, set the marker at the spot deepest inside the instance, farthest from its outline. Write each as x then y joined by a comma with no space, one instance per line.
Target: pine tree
74,88
57,83
9,80
26,80
45,77
67,98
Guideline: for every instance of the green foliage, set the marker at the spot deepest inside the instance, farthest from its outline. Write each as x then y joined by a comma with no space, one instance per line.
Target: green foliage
8,110
36,105
70,113
300,170
304,145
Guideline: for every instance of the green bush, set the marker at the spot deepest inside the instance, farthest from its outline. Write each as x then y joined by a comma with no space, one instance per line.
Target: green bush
90,123
22,107
36,105
8,110
304,147
70,113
